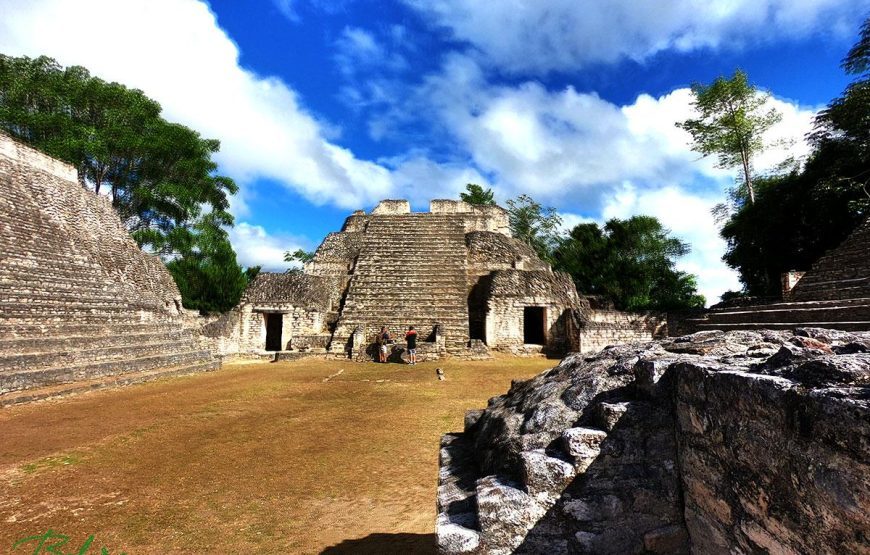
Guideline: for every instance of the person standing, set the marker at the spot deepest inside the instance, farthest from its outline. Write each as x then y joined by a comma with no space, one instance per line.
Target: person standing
383,339
411,339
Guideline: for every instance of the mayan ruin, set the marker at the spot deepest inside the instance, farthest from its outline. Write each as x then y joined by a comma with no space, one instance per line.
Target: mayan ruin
454,272
434,278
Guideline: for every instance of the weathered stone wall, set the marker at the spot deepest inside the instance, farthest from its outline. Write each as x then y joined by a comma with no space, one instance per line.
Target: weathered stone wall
738,442
509,292
392,208
602,328
477,218
79,301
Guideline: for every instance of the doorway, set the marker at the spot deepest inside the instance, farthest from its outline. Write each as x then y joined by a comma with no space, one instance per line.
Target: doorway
274,330
534,324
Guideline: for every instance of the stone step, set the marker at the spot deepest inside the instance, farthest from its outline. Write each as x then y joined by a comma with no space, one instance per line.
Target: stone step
66,329
13,381
792,314
86,353
845,326
57,390
44,342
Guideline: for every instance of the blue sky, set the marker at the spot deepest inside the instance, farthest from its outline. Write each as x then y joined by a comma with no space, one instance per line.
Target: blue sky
325,106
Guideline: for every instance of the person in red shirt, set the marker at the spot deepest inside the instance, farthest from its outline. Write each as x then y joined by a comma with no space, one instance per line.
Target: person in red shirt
411,339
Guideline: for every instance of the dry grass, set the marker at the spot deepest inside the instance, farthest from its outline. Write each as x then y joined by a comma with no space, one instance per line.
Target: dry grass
253,458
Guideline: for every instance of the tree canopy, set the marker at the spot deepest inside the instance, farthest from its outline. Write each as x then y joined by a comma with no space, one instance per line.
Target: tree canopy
160,175
631,261
731,123
300,256
477,195
534,225
800,215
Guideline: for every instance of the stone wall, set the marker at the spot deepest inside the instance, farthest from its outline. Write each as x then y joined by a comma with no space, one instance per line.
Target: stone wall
81,306
738,442
602,328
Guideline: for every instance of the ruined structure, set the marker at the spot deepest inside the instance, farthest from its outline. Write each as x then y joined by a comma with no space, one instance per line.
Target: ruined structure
718,442
454,273
834,293
81,306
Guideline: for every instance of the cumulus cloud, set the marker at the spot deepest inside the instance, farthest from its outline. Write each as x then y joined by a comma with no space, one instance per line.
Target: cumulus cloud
256,247
177,54
572,148
565,35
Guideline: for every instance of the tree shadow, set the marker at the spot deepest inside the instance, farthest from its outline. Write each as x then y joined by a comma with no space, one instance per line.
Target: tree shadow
385,544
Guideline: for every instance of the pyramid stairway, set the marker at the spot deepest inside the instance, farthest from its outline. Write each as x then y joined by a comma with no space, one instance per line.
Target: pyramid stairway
411,270
66,324
847,314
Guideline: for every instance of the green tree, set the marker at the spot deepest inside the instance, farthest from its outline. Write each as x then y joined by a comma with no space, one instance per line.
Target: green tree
477,195
631,262
209,277
731,123
160,175
534,225
300,256
801,215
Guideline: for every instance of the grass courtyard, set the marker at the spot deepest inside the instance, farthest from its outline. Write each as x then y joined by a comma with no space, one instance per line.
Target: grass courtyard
287,457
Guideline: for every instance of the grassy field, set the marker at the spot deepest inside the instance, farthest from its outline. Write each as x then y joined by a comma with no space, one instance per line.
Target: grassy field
253,458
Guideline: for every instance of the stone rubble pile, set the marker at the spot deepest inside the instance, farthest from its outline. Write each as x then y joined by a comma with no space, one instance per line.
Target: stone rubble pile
717,442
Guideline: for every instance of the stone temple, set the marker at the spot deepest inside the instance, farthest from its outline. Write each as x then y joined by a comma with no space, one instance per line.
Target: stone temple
454,272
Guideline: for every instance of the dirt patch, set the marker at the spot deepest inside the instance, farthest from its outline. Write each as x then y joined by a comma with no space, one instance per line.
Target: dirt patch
267,457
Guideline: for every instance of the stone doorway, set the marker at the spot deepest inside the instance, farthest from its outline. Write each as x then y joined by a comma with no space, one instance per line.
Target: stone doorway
274,330
534,325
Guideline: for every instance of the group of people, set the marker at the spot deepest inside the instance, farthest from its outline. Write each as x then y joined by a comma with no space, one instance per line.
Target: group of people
383,339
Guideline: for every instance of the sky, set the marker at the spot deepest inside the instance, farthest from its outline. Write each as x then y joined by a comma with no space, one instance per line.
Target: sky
323,107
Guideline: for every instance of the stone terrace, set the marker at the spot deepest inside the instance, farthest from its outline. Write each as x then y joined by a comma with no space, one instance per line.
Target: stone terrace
80,305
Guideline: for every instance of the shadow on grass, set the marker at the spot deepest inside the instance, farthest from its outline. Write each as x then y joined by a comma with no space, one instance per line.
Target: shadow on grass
385,544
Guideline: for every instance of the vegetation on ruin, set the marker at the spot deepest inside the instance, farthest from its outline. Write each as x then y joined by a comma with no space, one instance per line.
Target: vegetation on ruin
632,262
535,225
477,195
299,257
731,122
800,215
160,175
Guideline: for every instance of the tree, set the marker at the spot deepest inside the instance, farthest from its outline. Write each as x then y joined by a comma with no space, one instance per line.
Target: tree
300,256
801,215
160,175
534,225
631,262
731,123
209,277
477,195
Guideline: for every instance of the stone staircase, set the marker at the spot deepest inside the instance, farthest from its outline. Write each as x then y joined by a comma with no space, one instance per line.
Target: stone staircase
411,270
843,273
66,323
846,314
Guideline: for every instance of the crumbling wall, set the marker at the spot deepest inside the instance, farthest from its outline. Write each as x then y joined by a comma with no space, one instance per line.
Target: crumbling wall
738,442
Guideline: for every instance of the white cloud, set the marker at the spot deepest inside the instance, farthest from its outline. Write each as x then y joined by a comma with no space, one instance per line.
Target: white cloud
254,246
565,35
566,147
177,54
688,217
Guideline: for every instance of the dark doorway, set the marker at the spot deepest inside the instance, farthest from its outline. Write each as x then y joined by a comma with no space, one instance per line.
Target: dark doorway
534,318
274,329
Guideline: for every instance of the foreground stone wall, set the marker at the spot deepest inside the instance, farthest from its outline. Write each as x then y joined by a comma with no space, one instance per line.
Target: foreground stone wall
738,442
